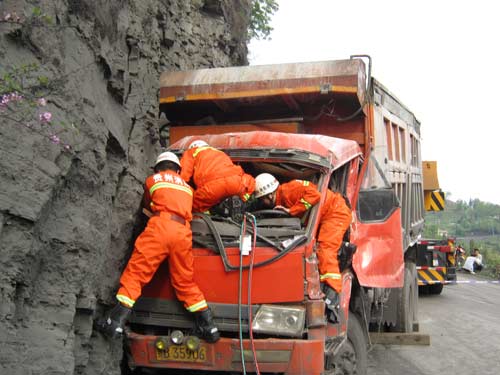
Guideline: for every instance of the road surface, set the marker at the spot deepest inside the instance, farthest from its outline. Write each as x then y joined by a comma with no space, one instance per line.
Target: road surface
464,325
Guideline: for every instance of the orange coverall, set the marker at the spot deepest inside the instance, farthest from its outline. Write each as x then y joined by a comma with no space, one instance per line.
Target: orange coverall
335,217
215,177
167,235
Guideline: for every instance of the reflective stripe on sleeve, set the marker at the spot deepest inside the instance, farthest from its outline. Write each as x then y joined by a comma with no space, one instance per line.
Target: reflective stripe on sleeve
200,149
125,300
197,306
305,203
168,185
305,183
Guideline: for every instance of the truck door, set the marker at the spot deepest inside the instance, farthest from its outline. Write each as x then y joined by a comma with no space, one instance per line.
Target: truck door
377,231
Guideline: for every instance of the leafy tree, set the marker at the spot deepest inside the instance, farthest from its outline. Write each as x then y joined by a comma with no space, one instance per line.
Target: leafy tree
260,18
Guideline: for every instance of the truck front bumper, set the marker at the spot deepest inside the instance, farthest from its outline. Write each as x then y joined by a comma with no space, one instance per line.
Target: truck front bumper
288,356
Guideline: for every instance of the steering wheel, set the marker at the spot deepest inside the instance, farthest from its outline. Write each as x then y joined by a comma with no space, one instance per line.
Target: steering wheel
261,214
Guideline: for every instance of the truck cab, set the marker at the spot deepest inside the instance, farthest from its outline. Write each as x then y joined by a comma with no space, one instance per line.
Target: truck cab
332,124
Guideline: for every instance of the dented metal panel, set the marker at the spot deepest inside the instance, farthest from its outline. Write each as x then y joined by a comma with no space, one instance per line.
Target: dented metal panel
338,151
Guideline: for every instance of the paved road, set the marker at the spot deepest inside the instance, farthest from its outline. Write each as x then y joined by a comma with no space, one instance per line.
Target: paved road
464,325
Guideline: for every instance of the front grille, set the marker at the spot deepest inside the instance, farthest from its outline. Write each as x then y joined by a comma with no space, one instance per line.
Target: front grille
171,314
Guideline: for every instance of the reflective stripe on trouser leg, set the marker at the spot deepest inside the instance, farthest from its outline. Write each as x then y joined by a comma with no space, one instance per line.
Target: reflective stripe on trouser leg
149,252
124,300
333,276
328,253
202,305
181,267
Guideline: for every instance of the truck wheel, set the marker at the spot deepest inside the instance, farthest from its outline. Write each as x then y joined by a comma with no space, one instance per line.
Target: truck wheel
352,358
407,300
435,288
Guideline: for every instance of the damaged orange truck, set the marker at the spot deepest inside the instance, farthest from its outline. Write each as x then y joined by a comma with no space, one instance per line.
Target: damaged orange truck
330,123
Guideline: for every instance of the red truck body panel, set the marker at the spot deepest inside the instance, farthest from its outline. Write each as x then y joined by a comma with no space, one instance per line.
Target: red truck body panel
269,286
375,262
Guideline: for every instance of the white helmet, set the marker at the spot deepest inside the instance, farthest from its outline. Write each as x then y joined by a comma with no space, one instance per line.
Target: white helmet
168,156
265,183
198,143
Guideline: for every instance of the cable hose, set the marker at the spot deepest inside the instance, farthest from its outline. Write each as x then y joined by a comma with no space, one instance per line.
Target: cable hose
222,250
240,278
368,89
249,298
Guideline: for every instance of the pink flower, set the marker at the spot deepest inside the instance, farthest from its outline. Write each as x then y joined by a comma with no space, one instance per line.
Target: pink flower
67,147
12,97
55,139
15,97
42,102
45,117
7,17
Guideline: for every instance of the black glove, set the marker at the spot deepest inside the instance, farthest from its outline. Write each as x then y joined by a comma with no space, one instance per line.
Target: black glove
332,301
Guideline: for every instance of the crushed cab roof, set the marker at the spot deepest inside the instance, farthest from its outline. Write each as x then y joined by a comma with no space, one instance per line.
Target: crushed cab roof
338,151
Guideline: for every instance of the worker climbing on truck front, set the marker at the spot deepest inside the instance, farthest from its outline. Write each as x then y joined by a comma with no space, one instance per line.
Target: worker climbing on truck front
167,236
214,175
296,198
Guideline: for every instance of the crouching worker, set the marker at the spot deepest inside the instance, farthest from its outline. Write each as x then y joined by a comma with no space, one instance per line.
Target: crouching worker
474,263
295,198
167,236
215,176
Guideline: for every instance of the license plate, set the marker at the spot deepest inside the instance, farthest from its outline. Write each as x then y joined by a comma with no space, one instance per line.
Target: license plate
181,353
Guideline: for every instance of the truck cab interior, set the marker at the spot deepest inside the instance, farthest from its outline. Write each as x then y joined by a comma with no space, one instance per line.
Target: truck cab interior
222,228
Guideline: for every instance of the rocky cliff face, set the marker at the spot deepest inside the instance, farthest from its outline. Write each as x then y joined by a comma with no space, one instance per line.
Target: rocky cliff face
68,220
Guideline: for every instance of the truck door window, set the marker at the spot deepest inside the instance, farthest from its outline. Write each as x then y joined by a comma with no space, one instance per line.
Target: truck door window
338,179
377,200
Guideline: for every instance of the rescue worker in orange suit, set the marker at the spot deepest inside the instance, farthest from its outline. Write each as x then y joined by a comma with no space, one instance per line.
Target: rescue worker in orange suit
214,175
167,236
295,198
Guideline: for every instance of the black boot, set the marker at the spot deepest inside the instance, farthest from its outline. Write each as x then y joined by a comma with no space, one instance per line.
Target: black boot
205,326
113,323
332,301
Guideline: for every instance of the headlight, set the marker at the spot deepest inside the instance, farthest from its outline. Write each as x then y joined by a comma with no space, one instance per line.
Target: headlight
281,320
177,337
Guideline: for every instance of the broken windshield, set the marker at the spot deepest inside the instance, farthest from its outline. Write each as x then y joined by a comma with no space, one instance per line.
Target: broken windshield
274,228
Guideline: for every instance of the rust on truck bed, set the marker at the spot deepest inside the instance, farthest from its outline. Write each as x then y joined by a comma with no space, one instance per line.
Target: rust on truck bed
315,98
342,76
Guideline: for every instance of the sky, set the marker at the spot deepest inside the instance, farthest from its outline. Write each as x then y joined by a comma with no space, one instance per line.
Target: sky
440,58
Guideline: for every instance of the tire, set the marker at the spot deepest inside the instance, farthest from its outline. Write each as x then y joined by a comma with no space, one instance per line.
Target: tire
407,301
352,358
435,288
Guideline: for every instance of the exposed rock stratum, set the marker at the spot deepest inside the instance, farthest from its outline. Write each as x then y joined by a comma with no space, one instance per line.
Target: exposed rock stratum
68,220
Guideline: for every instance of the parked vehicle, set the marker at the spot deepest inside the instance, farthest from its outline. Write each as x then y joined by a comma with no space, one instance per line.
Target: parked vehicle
436,258
326,122
435,264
